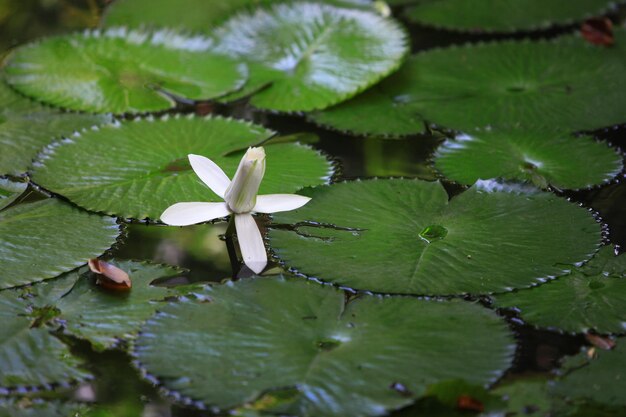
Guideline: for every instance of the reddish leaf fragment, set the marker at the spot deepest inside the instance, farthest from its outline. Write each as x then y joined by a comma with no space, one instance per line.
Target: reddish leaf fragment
605,343
598,31
110,276
465,402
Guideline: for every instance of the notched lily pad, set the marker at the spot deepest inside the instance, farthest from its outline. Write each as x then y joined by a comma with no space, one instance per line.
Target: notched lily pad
599,376
543,157
139,168
404,236
504,15
121,71
310,55
43,239
591,297
30,354
26,127
10,191
295,347
564,83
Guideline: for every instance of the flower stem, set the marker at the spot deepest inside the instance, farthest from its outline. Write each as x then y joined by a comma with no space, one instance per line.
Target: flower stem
235,265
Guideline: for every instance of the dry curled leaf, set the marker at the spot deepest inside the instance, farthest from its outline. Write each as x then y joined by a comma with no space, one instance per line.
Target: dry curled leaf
465,402
605,343
598,31
110,276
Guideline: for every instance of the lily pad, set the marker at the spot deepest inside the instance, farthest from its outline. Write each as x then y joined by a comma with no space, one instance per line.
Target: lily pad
10,191
122,71
139,168
404,236
565,83
541,156
39,408
600,377
592,297
43,239
192,15
105,317
297,348
310,55
504,15
26,127
31,356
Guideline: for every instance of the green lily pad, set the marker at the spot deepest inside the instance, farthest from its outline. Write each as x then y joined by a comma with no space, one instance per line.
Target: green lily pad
504,15
39,408
541,156
139,168
404,236
26,127
592,297
193,15
122,71
44,239
297,348
601,378
10,191
106,318
526,396
309,55
32,356
566,83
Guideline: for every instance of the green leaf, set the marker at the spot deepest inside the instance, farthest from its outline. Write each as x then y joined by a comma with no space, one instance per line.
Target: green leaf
504,15
139,168
592,297
296,347
44,239
192,15
40,408
311,56
26,127
601,378
566,84
31,357
106,317
526,396
10,191
540,156
404,236
122,71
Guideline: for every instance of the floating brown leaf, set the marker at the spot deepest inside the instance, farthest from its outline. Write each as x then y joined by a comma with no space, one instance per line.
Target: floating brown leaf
598,31
601,342
465,402
110,276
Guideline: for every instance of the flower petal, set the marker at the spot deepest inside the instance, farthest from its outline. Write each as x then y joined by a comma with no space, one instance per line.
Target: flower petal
250,242
272,203
210,174
184,214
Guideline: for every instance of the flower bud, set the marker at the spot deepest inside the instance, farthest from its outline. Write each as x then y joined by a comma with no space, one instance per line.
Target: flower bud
241,193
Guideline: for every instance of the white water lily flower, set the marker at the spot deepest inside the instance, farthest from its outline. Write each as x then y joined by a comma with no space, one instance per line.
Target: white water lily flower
240,200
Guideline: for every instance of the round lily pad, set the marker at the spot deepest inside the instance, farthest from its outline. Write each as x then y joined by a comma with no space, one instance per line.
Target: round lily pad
139,168
297,348
122,71
113,317
10,191
309,55
44,239
404,236
566,84
592,297
193,15
26,127
541,156
39,408
29,355
600,377
504,15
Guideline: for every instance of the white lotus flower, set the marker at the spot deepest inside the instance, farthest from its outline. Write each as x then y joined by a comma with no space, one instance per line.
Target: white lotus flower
240,200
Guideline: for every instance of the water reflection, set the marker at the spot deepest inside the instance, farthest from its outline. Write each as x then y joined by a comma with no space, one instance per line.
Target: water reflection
197,248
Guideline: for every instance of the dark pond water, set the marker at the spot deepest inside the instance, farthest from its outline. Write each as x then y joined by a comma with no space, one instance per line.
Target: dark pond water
118,386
